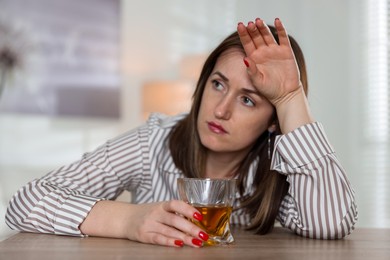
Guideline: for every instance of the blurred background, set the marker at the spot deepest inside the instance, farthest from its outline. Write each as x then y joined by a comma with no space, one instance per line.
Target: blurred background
76,73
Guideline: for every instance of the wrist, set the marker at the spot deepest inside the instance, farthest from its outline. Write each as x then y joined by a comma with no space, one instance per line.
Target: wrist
293,111
107,219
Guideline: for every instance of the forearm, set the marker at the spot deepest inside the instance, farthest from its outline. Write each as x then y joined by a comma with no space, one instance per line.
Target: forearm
108,219
293,111
320,205
40,206
320,202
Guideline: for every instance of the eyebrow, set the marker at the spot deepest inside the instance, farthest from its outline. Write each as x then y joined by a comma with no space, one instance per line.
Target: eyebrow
251,91
246,90
221,75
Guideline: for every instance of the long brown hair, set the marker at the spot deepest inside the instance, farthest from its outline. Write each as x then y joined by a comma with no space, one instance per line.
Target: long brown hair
189,154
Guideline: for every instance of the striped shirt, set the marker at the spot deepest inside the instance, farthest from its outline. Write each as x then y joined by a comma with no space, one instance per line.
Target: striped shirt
320,202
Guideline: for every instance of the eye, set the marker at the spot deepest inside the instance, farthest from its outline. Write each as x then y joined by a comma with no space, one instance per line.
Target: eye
217,85
248,102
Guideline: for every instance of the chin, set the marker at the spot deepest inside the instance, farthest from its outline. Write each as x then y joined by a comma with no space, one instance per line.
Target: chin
215,146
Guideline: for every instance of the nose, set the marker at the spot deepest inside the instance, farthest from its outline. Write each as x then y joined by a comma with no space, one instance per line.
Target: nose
223,110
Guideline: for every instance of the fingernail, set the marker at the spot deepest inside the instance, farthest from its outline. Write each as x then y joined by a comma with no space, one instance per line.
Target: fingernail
246,63
277,19
198,216
203,236
179,243
239,23
197,242
257,19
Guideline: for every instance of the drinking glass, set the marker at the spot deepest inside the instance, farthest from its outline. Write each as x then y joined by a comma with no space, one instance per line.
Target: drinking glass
213,198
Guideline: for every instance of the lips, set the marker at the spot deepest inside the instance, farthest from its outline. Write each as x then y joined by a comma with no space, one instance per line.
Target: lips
216,128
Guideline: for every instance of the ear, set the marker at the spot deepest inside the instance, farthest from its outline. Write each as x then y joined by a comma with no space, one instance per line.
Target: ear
272,128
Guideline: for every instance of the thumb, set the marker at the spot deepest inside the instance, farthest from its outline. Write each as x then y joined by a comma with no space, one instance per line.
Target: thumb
251,67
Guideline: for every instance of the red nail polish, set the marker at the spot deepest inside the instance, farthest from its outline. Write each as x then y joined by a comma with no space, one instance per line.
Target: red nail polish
198,216
179,243
197,242
246,63
203,236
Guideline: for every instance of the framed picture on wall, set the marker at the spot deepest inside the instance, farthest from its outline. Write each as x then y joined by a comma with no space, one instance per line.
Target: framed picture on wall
72,65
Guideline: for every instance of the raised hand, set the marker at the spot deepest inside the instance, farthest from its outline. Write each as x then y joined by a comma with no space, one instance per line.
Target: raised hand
271,66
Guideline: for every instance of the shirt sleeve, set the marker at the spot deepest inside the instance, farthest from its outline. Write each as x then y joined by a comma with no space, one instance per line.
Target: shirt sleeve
320,202
60,201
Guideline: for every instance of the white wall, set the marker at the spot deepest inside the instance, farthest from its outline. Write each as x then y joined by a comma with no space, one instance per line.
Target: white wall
157,35
69,52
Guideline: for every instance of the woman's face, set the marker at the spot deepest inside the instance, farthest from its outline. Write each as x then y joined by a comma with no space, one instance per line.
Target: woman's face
232,113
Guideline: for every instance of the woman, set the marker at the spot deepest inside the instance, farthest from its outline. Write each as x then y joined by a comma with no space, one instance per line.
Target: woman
250,120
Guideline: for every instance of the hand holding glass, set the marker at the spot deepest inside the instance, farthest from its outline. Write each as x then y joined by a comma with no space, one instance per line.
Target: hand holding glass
213,198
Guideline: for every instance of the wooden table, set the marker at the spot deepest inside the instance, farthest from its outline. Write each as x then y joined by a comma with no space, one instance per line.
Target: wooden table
371,244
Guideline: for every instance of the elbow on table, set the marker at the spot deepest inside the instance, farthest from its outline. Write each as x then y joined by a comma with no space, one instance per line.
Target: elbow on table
330,233
347,225
14,216
338,230
324,228
19,214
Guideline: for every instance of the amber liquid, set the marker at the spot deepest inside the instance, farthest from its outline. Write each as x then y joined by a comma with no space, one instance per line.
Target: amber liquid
215,221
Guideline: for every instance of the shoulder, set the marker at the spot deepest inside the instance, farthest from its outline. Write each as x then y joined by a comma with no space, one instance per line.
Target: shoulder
156,125
162,121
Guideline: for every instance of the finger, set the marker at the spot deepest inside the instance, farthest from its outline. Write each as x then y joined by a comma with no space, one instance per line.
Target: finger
185,226
181,224
178,206
282,33
253,71
265,32
246,39
174,235
255,34
161,233
159,239
251,68
170,231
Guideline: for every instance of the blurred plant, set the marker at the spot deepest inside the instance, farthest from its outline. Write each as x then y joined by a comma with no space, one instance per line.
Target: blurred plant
14,47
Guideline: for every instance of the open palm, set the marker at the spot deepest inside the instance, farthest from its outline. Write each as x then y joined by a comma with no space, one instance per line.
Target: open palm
271,66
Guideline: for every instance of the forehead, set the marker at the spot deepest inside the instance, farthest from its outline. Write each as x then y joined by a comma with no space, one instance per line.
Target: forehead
231,65
229,55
